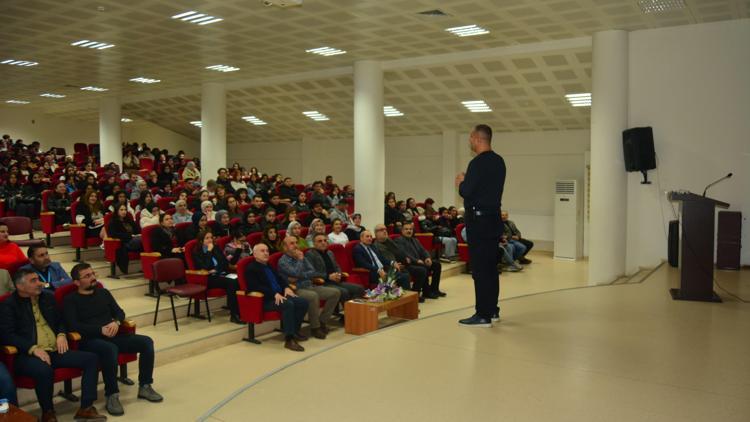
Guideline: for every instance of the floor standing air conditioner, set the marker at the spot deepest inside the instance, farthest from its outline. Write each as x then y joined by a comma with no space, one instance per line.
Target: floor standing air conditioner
568,220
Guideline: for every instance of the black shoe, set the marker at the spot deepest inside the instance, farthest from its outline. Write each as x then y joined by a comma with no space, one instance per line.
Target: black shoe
235,319
524,261
300,337
496,316
421,299
442,294
431,295
476,321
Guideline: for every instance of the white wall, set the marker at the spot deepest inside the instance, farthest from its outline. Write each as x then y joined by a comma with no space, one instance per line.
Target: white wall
157,136
323,157
268,157
691,85
30,124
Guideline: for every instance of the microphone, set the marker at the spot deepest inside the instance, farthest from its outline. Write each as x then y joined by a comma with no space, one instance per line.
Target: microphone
722,179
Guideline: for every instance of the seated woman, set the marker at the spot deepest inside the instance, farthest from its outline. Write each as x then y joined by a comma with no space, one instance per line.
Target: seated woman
59,203
250,223
181,214
195,204
233,208
122,227
182,196
200,223
208,257
150,215
316,227
207,208
30,202
11,256
295,229
289,217
392,215
163,239
337,235
223,228
90,212
301,205
12,191
271,239
121,198
237,249
243,196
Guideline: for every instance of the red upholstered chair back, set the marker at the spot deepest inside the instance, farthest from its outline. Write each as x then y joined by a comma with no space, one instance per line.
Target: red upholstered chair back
221,242
339,253
302,216
147,164
347,262
14,266
254,238
241,280
459,229
45,196
328,228
282,234
189,248
169,269
213,225
164,202
394,236
73,210
18,225
81,148
304,231
133,203
273,260
67,289
107,219
146,237
5,296
170,211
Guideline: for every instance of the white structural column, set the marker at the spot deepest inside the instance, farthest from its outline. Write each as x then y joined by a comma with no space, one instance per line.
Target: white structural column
369,142
450,168
214,130
609,117
110,131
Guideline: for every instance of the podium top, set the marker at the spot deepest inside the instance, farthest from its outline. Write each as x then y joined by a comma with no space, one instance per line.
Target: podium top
689,196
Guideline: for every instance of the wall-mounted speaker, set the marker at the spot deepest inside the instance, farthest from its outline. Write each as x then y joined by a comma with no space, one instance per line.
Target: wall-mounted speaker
638,148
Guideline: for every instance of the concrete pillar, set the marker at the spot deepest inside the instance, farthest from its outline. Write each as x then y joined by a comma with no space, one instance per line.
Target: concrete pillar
214,130
450,169
110,131
369,142
609,117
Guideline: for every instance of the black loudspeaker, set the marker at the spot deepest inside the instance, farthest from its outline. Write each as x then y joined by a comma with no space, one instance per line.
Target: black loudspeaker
638,146
673,244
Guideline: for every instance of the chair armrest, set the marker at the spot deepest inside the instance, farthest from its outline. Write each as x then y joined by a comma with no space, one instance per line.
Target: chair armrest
318,281
151,254
195,272
82,226
126,327
249,294
52,213
74,336
361,270
129,323
345,274
9,350
112,239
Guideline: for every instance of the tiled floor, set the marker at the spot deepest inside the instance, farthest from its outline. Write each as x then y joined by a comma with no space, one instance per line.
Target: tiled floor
624,352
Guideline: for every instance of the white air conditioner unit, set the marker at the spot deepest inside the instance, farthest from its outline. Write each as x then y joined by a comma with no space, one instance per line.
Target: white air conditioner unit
568,220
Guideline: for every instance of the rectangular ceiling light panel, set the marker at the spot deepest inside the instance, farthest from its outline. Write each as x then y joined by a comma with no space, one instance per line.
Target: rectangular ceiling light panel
476,106
17,102
143,80
222,68
197,18
659,6
96,45
50,95
579,100
254,120
94,88
468,30
14,62
391,111
316,115
326,51
197,123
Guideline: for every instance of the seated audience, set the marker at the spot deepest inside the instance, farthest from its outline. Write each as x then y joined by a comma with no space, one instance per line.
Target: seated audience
366,256
59,203
419,263
341,212
514,237
12,193
442,235
223,226
31,322
354,230
236,249
276,204
271,239
324,263
337,235
164,240
30,202
392,215
6,282
51,274
122,226
257,206
182,214
11,256
191,172
122,198
316,227
140,187
7,387
93,312
301,203
277,296
233,208
295,229
298,271
269,219
317,211
393,254
90,213
287,191
250,223
207,208
208,257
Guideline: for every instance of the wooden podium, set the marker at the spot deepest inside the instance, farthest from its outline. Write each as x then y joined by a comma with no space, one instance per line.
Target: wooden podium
696,247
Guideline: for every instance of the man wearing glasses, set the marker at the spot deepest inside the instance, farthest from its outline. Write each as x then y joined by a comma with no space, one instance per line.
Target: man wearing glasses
95,314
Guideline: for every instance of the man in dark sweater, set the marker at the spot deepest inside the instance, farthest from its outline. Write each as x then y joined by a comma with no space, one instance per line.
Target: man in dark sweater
393,253
94,313
30,322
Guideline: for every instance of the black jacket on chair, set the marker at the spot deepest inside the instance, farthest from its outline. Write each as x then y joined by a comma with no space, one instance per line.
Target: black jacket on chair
17,325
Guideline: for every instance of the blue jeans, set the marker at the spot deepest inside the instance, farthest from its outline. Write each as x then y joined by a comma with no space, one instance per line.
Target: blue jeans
519,249
7,388
293,311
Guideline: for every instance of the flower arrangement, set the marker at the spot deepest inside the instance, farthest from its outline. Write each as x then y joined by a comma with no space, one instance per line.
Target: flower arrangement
385,290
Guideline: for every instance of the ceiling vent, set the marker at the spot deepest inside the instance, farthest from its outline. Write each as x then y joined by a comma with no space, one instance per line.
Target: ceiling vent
435,13
284,4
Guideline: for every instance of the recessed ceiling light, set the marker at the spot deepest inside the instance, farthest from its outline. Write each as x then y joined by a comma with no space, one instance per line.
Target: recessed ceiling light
222,68
197,18
94,88
468,30
579,100
92,44
17,102
391,111
476,106
143,80
197,123
316,115
326,51
126,120
658,6
254,120
15,62
50,95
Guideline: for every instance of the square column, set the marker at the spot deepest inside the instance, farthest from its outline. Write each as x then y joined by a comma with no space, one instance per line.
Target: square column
214,130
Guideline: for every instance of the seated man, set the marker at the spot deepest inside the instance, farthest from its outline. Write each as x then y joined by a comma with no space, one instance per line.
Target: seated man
317,211
393,253
50,273
295,269
418,261
277,296
95,314
341,212
276,204
367,256
326,267
444,234
287,191
354,230
31,322
514,238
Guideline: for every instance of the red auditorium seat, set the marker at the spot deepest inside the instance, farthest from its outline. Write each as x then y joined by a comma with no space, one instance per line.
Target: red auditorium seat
251,303
359,276
111,245
463,247
78,237
196,276
47,219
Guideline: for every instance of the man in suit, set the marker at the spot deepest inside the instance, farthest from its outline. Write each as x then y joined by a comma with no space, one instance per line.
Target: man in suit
277,296
393,253
367,256
31,322
419,263
50,273
326,267
482,189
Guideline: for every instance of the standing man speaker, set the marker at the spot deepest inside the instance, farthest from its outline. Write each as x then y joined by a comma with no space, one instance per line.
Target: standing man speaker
482,189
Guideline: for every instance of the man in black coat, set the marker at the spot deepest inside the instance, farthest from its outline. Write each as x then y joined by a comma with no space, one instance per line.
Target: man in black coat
277,296
482,189
419,264
30,321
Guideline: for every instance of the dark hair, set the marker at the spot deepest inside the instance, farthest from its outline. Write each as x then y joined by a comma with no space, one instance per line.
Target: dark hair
20,274
485,131
442,210
407,223
202,236
163,216
319,234
75,273
236,234
34,248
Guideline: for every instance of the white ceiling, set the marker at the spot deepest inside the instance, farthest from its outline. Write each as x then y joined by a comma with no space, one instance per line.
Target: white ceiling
525,90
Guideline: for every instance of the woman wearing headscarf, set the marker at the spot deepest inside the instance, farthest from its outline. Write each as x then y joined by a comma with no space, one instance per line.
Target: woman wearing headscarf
191,172
295,229
316,227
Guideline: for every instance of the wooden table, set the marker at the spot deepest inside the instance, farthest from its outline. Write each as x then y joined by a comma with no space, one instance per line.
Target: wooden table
362,317
16,415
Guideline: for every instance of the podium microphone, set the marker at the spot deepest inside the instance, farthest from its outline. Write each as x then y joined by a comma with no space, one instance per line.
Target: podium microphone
723,178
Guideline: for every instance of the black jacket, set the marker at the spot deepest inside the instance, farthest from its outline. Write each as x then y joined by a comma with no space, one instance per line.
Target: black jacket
17,325
123,230
57,203
204,261
257,281
161,241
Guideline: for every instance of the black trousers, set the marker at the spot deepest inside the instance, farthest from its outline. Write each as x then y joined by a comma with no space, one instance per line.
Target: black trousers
230,285
43,374
529,244
293,311
348,290
107,350
483,258
121,256
422,273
